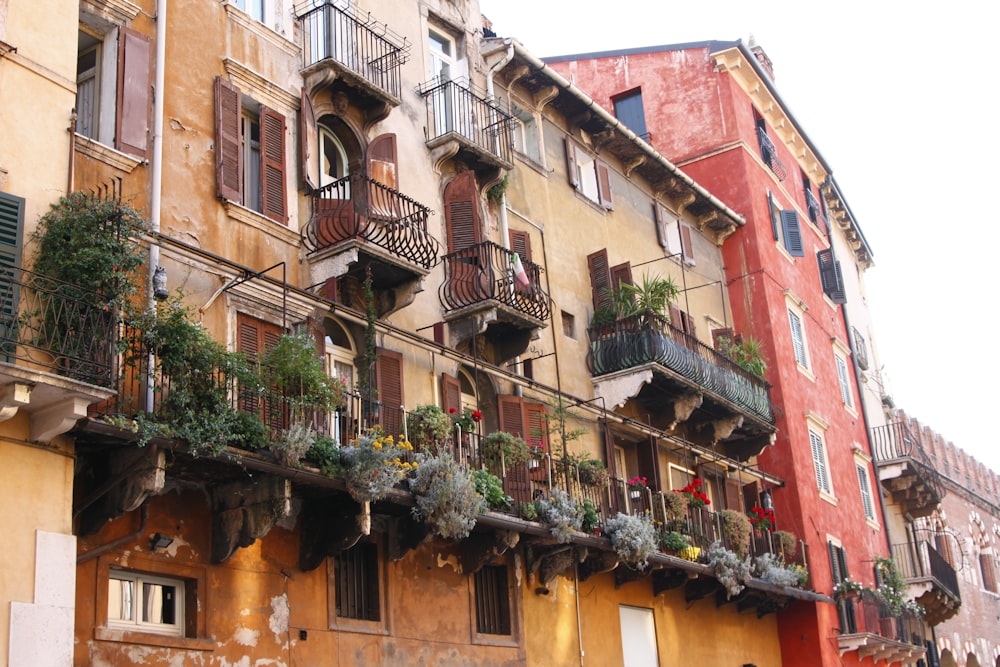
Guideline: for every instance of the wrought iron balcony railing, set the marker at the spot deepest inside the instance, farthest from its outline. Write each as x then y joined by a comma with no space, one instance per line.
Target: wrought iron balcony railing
358,43
647,337
866,614
770,155
922,561
358,208
812,204
56,327
484,272
454,109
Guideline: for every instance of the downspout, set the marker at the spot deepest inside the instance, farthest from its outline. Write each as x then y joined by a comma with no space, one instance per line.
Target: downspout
156,186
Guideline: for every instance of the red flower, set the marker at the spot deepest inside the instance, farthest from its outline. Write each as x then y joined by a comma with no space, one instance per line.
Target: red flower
477,416
452,410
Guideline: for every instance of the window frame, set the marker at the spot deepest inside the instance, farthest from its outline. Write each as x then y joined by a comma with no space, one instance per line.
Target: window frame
843,379
589,175
478,603
527,125
800,346
381,626
821,462
628,97
865,486
140,580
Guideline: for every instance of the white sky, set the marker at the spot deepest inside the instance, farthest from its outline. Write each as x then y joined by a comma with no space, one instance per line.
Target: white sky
902,106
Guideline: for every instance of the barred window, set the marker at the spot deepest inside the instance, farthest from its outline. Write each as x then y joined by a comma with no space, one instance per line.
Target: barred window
356,574
492,601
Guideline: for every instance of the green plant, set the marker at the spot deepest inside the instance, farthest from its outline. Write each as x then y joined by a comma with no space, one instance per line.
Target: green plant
788,544
736,531
502,446
675,507
674,542
592,472
591,518
527,511
653,295
773,570
633,537
428,427
604,315
248,431
293,442
490,487
891,589
846,587
293,373
496,192
374,465
748,355
562,516
446,497
731,570
325,455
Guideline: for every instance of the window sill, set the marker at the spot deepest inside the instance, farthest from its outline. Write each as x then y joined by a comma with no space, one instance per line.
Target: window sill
851,410
261,222
106,154
495,640
872,523
781,249
356,625
150,639
532,162
830,498
805,371
590,202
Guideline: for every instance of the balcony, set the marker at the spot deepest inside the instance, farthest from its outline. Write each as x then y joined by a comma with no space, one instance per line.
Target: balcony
906,471
769,155
932,581
350,53
815,211
359,224
703,386
464,125
869,627
481,296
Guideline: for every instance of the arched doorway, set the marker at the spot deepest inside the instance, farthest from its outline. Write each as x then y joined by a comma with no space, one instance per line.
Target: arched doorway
340,356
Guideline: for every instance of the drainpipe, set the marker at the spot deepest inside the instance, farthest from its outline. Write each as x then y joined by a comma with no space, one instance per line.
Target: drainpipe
156,186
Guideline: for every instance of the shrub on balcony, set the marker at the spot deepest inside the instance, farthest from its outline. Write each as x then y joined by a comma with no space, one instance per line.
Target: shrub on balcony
500,445
675,507
772,569
731,570
591,518
374,464
674,542
633,537
736,530
788,544
653,295
748,355
428,428
446,497
490,487
296,375
561,514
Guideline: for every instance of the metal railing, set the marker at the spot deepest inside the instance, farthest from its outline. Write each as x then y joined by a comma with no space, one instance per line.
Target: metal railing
812,205
868,614
894,441
356,207
921,561
358,43
647,337
57,327
484,272
453,108
769,154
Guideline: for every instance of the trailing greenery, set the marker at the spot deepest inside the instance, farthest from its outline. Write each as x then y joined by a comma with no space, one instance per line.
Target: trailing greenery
374,465
788,544
633,537
561,514
496,192
428,428
731,570
500,445
891,590
490,487
736,529
446,497
674,542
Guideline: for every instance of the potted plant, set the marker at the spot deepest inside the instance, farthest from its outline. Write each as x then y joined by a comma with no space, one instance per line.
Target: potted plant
736,531
675,507
445,496
592,472
536,454
428,427
762,519
787,543
696,497
636,486
633,537
673,542
503,448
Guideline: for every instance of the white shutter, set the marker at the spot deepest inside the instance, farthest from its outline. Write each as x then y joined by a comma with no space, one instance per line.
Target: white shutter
819,462
798,341
866,492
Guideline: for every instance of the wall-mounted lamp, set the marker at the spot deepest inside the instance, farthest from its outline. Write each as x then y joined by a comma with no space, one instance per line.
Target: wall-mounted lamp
766,501
160,284
159,541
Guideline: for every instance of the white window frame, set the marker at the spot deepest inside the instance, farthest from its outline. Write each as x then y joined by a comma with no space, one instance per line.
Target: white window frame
843,377
798,333
864,483
527,136
821,462
251,196
586,174
442,57
140,581
100,116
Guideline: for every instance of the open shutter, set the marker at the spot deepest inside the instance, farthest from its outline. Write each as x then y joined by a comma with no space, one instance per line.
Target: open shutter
835,563
255,338
687,247
648,462
792,232
831,277
537,425
451,393
572,171
511,415
272,173
621,274
228,156
520,242
461,212
389,380
772,212
132,112
604,185
732,490
309,136
600,278
382,160
11,226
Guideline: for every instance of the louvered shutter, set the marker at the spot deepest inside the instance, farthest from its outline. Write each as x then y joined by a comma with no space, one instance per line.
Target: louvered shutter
537,424
520,242
604,185
732,494
382,160
648,462
511,415
687,247
228,155
451,393
621,274
676,320
255,338
600,278
309,141
462,212
819,462
132,112
831,277
572,171
792,232
272,172
11,226
389,379
798,341
837,574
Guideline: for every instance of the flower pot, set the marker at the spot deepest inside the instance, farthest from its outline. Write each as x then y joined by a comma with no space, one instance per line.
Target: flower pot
635,494
690,553
534,463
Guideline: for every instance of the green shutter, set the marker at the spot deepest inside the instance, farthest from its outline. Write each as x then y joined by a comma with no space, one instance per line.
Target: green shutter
11,227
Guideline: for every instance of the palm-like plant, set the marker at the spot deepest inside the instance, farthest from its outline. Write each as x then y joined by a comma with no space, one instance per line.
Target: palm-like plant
653,295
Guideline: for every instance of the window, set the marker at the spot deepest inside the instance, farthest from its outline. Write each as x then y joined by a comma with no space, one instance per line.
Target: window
628,109
389,384
638,631
812,205
441,48
526,137
768,153
255,8
591,177
525,418
842,378
569,325
787,222
492,595
333,158
249,152
668,231
798,339
987,567
356,576
820,462
867,502
113,85
254,338
681,320
860,349
838,570
830,276
145,603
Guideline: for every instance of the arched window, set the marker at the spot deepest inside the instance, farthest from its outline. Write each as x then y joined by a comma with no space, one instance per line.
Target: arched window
340,356
332,156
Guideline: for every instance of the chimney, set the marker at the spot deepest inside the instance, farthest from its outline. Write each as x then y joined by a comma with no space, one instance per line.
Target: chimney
762,58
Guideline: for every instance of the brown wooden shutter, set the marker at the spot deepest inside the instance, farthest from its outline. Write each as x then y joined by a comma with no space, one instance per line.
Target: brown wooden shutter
648,460
572,174
687,248
389,381
132,112
520,242
732,490
272,171
537,424
254,338
600,278
309,141
722,340
751,499
660,222
621,274
675,317
382,161
228,153
461,212
604,185
511,415
451,393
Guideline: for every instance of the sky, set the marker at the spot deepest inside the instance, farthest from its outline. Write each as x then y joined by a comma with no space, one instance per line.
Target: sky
901,104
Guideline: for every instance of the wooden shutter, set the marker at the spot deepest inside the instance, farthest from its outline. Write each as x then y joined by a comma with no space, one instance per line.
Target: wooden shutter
648,460
604,185
621,274
838,565
389,382
600,278
732,491
572,172
254,338
382,160
511,415
792,232
461,212
228,153
272,168
722,340
831,277
687,247
132,112
751,498
520,242
772,213
11,226
309,141
451,393
537,425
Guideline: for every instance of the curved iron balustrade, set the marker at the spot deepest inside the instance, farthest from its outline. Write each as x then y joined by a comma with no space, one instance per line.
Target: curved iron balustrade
358,208
895,441
454,107
647,337
484,272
